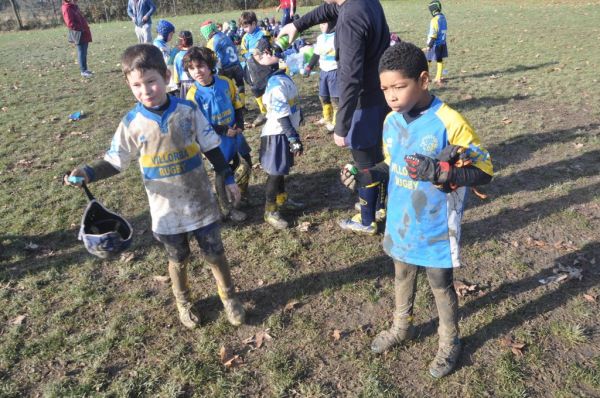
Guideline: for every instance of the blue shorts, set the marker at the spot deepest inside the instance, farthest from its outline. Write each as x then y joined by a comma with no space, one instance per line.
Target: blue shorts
231,146
328,84
437,53
275,156
367,127
178,245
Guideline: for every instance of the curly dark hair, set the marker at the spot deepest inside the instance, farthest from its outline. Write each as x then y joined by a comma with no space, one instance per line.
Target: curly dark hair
200,54
406,58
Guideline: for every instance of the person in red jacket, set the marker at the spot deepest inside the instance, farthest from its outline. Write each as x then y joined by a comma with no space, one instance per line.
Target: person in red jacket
288,7
81,35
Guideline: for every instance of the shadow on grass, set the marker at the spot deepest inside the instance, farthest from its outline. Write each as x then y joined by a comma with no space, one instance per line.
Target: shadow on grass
484,102
507,71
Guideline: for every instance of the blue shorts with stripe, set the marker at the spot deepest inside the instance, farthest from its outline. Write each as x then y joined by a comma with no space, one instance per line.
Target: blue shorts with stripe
328,84
367,127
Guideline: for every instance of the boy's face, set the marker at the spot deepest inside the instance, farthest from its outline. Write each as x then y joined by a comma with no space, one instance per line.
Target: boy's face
200,72
249,27
403,93
169,36
148,87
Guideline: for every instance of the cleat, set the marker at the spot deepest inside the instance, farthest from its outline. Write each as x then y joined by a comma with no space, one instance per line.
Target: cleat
274,219
86,74
237,215
354,224
392,337
322,122
445,359
330,127
292,205
187,316
234,310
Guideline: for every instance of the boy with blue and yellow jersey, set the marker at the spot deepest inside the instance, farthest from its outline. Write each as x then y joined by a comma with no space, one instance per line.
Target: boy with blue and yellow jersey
217,98
437,48
252,36
279,139
228,62
181,77
169,135
431,155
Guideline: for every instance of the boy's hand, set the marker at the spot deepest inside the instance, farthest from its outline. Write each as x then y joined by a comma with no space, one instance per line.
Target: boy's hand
424,168
234,194
348,176
296,147
232,132
306,72
76,178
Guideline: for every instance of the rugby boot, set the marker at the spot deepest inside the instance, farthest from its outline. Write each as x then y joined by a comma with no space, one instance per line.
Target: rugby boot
273,217
181,291
355,224
284,202
449,345
402,329
234,310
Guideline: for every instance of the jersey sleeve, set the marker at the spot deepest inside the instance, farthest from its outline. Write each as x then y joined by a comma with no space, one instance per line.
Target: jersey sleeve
234,95
122,148
433,28
462,134
205,134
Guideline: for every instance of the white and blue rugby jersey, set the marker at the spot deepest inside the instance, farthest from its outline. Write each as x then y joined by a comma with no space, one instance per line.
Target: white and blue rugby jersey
280,99
325,48
169,148
423,223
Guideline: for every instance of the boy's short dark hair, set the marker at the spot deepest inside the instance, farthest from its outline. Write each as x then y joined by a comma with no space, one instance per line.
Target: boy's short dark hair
248,18
406,58
200,54
186,39
143,58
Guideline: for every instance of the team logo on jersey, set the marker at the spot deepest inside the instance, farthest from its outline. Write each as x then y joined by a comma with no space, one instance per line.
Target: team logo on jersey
185,126
429,144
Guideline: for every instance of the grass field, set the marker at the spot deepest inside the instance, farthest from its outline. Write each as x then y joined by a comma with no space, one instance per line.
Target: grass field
525,73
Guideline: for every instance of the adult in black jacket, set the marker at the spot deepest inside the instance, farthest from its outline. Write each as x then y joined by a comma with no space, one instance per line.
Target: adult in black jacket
362,35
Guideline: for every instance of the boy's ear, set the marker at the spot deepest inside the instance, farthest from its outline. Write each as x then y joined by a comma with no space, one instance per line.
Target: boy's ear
168,75
424,80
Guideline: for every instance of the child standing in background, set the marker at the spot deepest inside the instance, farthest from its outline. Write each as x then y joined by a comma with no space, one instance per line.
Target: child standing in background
165,31
181,77
437,49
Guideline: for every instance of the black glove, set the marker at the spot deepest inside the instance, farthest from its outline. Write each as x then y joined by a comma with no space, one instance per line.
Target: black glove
424,168
296,147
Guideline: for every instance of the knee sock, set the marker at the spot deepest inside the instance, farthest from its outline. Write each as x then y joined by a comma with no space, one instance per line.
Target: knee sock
439,70
367,197
261,106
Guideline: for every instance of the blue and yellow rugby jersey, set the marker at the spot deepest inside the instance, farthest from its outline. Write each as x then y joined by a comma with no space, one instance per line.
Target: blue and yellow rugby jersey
280,99
438,27
218,103
179,74
423,223
226,51
250,40
169,148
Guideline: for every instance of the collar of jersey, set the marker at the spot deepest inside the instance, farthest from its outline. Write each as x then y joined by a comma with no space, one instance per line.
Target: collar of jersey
162,119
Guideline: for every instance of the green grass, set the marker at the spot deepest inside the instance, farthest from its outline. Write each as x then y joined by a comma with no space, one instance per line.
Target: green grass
95,328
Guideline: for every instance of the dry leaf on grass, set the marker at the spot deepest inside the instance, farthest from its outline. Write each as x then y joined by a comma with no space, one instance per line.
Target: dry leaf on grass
562,273
338,334
303,226
291,305
18,320
161,278
515,346
464,289
506,121
259,338
590,298
228,358
128,257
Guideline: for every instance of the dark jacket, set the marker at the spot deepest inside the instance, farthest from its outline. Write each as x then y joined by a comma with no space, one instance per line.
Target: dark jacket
75,20
361,37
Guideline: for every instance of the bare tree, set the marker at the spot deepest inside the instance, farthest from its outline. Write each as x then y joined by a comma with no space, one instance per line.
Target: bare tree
15,8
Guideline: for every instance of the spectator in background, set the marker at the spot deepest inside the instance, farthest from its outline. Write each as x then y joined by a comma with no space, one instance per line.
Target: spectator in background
288,8
79,33
140,12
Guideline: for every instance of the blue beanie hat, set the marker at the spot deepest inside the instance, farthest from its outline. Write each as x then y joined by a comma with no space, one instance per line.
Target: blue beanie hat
164,27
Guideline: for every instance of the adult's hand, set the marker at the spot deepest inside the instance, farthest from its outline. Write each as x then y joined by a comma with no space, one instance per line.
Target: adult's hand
289,30
144,19
339,141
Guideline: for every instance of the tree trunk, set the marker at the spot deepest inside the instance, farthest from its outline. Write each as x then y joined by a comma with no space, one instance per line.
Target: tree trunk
15,8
